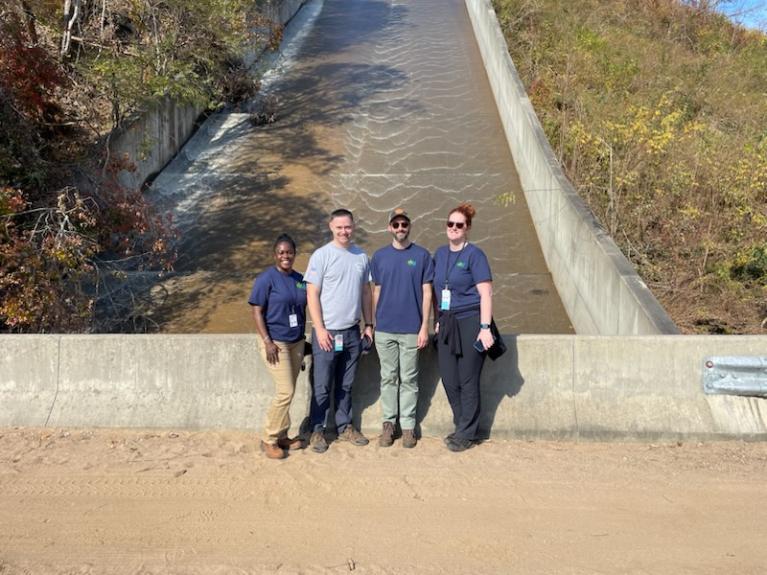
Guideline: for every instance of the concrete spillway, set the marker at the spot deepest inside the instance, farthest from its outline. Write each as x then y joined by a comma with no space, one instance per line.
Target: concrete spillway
379,103
372,114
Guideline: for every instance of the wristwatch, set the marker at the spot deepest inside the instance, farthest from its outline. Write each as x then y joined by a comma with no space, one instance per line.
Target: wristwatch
484,326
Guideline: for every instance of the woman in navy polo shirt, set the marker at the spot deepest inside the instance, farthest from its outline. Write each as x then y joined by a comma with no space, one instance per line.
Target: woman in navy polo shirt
463,298
279,310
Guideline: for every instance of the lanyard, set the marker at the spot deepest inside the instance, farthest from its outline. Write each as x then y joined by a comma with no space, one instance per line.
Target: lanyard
448,270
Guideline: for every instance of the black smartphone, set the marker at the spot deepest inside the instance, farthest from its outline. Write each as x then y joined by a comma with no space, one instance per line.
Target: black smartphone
479,346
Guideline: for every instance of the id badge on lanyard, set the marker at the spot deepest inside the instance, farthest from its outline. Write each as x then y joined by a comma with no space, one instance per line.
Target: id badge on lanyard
293,320
444,304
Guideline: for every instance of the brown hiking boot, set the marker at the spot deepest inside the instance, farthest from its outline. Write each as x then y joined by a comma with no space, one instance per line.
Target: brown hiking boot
408,438
353,436
272,451
387,437
318,442
291,444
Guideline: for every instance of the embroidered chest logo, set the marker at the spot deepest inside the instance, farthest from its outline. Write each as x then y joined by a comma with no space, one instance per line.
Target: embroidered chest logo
411,263
461,265
301,285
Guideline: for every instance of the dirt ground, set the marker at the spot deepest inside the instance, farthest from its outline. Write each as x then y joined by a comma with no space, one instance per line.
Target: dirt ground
142,501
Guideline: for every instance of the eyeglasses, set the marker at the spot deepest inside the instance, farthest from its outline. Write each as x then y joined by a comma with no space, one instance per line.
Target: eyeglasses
458,225
398,225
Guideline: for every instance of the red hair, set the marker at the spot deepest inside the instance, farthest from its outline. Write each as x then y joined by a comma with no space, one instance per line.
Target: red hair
467,210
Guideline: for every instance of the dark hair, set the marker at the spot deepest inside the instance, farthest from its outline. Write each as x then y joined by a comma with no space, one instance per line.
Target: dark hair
467,210
283,239
340,213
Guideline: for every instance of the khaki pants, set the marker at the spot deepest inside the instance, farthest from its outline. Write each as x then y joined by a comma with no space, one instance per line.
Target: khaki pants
284,374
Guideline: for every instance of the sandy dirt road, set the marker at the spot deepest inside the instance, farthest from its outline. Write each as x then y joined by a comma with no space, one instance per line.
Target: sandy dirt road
141,501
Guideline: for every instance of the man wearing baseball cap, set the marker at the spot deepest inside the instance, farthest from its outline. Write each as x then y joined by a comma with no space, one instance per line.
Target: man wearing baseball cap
402,273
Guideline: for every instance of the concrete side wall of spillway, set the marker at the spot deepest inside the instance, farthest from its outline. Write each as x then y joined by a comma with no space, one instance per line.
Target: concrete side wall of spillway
151,140
600,289
544,387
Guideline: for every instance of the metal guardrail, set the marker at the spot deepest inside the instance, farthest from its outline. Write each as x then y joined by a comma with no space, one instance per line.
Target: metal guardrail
735,375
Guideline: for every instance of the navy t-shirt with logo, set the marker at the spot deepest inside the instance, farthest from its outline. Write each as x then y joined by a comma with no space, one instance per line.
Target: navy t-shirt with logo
460,272
281,295
401,275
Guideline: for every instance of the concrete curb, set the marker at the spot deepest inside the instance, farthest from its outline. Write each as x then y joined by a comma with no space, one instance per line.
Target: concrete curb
600,290
554,387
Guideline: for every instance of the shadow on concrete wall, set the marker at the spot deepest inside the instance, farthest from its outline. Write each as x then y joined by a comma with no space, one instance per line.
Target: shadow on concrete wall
500,379
366,392
428,380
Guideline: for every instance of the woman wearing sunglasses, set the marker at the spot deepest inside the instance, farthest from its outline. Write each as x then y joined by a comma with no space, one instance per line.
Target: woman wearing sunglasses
279,310
463,302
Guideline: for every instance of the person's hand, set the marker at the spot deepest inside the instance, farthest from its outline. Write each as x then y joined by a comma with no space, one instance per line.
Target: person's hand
324,339
486,338
368,333
423,338
272,352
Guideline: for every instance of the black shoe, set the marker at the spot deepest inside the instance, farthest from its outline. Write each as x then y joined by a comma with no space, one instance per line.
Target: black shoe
456,444
449,438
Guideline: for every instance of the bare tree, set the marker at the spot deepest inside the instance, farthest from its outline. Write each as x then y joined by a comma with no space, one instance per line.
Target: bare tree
71,15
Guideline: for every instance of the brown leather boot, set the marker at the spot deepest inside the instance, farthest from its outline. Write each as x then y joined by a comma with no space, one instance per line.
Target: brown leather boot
408,438
272,451
387,436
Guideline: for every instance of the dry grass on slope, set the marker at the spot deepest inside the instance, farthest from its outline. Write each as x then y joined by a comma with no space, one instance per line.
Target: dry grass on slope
658,113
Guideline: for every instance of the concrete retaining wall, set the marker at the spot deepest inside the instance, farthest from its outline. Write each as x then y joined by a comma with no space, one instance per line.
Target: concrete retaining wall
544,387
151,140
601,291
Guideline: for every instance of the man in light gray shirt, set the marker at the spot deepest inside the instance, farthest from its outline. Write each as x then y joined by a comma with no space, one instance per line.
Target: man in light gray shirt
337,290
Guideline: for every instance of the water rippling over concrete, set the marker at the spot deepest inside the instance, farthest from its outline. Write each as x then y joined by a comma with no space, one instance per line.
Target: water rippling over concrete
385,104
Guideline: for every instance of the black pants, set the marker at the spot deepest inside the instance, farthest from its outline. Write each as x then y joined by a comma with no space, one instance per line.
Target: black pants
460,376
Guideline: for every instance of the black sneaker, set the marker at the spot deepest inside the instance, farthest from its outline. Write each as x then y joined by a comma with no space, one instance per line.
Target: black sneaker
449,438
353,436
456,444
318,443
387,436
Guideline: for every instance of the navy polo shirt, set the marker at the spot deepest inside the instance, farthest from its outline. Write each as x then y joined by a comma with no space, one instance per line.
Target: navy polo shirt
460,272
401,275
280,295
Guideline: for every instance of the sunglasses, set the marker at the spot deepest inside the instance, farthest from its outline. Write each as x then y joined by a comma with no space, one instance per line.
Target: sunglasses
398,225
458,225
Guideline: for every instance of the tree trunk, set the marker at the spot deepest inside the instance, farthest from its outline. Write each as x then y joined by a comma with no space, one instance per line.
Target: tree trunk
30,17
71,14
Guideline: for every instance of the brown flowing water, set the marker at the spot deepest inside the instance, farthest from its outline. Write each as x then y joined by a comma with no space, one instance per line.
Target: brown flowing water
385,103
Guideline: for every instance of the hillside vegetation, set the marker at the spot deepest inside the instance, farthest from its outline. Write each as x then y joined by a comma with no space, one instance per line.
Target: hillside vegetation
72,72
657,110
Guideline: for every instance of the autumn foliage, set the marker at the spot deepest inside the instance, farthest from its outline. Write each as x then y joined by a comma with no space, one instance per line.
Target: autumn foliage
71,72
